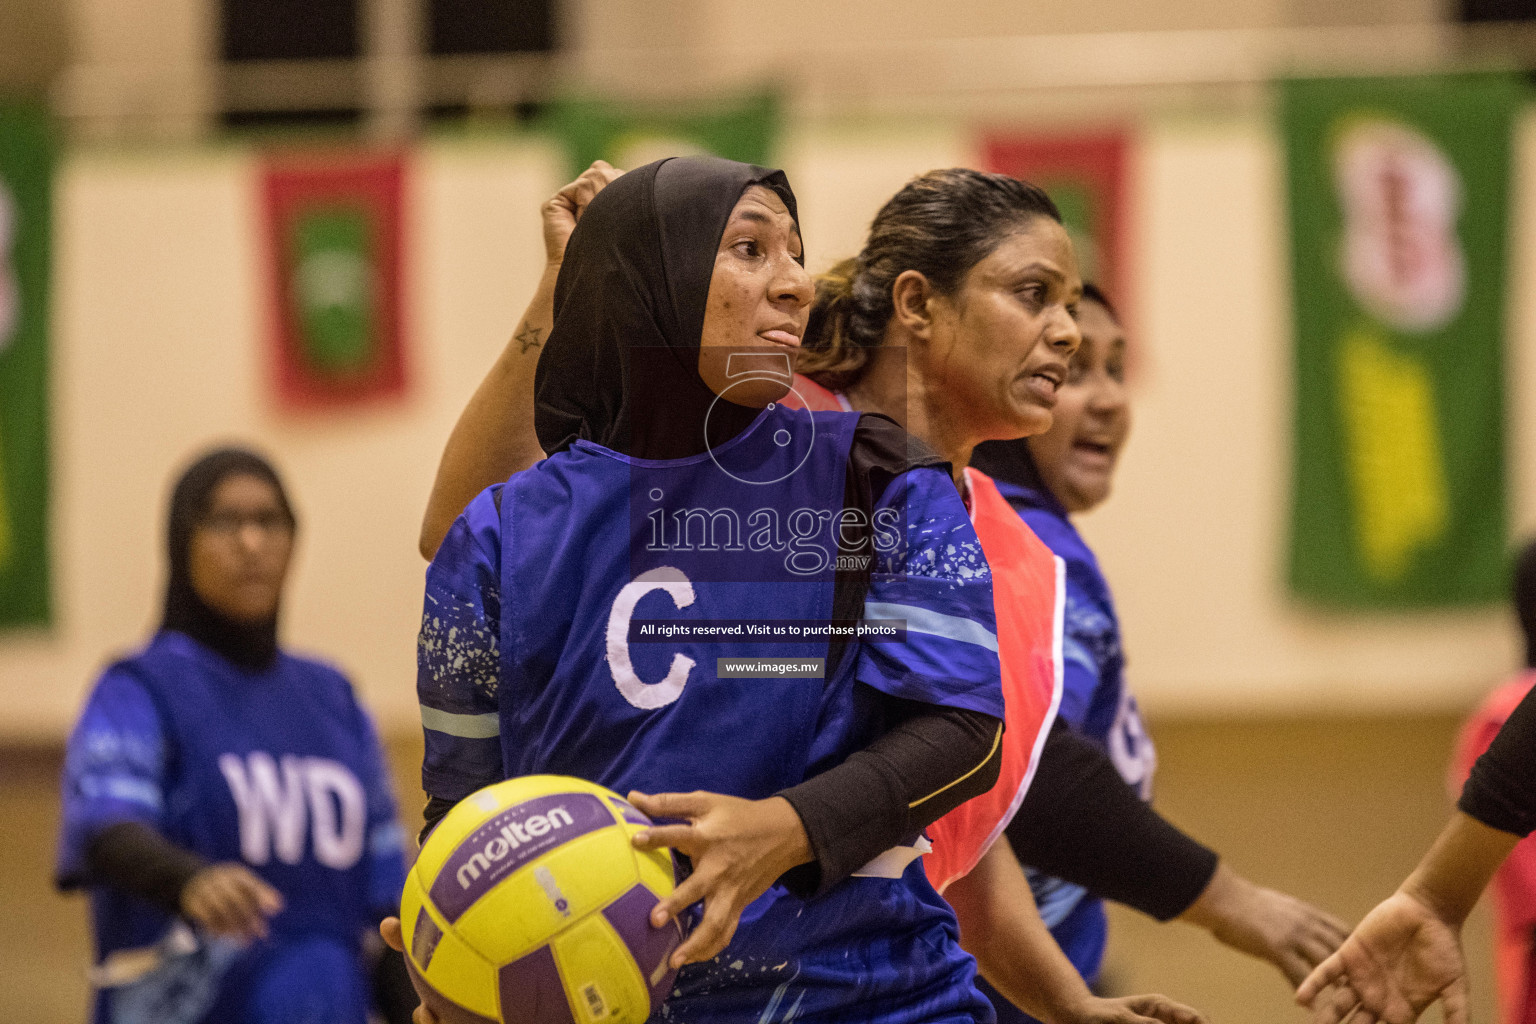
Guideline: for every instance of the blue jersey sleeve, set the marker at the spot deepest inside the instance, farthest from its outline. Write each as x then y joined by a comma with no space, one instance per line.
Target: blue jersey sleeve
114,769
930,574
458,659
1080,680
1091,649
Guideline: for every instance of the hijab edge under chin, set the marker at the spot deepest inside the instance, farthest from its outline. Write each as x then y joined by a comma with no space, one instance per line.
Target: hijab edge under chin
1012,462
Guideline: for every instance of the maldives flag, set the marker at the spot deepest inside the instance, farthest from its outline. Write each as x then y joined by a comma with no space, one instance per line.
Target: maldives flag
332,233
1086,175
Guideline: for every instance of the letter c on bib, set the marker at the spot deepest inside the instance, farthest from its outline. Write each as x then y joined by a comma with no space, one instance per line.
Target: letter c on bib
643,695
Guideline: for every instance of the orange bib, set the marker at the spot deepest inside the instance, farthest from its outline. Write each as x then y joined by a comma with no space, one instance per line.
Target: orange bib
1029,593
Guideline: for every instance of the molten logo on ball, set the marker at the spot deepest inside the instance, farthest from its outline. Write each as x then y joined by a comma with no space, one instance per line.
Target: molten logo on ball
529,903
508,841
512,836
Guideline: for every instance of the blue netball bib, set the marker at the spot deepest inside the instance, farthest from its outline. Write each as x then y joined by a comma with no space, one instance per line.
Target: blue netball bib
627,597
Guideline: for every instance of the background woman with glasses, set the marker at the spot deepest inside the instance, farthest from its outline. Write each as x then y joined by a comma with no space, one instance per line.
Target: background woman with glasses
226,803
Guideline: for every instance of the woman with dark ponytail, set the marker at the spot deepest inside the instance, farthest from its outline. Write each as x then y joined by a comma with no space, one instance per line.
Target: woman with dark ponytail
975,241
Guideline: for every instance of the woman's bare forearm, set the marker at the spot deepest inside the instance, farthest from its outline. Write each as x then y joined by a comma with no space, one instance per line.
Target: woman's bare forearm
1002,929
494,436
1458,867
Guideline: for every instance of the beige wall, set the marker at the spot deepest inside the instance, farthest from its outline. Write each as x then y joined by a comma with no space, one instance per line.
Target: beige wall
158,351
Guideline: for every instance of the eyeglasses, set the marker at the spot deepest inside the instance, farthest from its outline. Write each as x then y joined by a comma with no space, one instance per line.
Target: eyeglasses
230,523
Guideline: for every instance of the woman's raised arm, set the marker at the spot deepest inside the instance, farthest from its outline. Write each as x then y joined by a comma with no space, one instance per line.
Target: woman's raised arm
494,436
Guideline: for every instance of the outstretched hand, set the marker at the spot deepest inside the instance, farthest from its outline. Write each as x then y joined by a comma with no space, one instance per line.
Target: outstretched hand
1265,923
738,848
1401,958
231,900
1149,1009
562,210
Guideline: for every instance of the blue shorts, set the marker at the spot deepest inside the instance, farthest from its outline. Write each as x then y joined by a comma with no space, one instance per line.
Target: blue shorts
874,982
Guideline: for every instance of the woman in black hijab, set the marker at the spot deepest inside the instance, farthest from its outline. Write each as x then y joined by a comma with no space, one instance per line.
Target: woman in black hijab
226,803
246,632
624,364
680,301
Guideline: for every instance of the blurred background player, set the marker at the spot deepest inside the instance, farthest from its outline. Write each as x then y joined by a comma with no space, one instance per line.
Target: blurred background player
225,801
1514,888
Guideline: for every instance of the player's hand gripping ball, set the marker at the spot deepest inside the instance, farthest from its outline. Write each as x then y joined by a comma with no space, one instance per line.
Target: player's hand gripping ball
528,903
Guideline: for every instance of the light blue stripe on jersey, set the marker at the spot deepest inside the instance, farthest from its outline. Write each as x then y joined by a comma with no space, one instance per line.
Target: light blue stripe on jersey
122,787
926,620
470,727
1054,898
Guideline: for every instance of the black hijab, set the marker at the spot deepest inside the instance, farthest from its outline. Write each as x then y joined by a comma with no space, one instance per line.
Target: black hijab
621,367
249,645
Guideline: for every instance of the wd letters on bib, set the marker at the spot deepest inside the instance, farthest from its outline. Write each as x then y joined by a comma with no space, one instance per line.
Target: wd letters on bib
282,774
215,744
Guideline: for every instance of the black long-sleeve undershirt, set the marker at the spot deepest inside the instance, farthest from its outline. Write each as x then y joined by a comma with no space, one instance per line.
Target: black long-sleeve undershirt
134,858
1082,823
910,777
931,762
1079,820
1501,791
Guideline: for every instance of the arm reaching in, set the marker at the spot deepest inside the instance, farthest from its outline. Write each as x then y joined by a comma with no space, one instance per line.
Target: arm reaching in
1293,935
1001,928
1082,823
932,761
494,436
1406,954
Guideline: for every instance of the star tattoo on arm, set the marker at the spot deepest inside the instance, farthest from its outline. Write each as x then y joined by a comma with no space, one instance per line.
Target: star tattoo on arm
528,337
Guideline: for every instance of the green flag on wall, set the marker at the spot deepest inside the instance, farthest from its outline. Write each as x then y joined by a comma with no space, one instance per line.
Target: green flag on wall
1399,209
630,136
26,167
